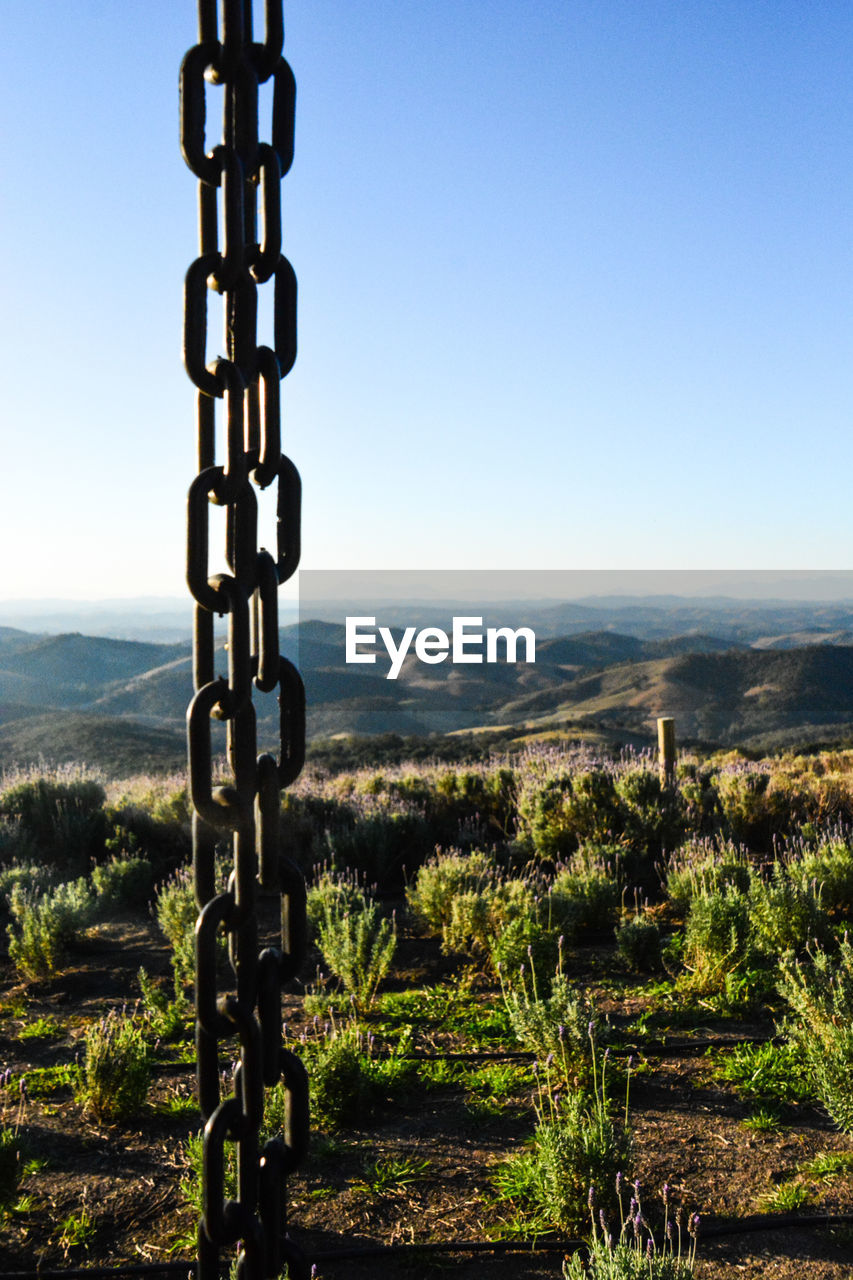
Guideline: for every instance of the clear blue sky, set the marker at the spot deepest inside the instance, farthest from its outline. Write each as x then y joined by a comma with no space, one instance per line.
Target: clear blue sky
575,286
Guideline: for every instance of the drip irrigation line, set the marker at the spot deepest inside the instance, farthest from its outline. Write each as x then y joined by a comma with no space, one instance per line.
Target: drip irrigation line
766,1222
657,1048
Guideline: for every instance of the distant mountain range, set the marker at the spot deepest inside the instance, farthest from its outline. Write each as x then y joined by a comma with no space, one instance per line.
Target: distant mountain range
753,674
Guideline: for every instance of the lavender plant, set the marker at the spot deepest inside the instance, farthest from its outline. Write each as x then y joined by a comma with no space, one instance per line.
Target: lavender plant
819,993
577,1141
357,943
634,1254
116,1071
552,1023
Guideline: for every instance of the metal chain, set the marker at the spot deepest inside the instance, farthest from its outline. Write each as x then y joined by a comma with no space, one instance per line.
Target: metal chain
238,178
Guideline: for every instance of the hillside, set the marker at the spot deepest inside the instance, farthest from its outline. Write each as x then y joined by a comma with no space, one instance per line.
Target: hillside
75,697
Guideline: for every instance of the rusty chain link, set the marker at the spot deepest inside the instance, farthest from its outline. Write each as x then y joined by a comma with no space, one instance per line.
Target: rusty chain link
238,178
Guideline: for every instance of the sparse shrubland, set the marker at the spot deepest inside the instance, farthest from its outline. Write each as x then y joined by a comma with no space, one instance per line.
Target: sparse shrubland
555,905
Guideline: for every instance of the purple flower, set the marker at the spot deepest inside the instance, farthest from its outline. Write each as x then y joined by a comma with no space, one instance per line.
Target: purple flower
665,1193
549,1060
591,1198
619,1181
602,1220
561,1031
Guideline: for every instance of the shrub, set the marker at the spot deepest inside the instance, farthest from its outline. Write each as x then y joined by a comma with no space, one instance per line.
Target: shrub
819,993
577,1143
45,925
704,866
167,1019
553,1024
717,938
29,876
638,943
348,1082
828,869
64,820
116,1070
635,1254
442,879
784,915
358,944
585,894
122,882
176,912
652,819
335,893
518,942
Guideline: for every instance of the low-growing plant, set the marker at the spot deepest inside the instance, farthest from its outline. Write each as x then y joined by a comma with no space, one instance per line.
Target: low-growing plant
552,1023
819,994
767,1073
388,1174
638,943
176,912
44,925
577,1142
348,1078
122,882
358,944
116,1071
635,1253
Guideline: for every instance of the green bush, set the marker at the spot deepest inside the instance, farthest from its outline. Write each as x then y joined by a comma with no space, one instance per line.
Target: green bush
827,868
442,879
577,1143
64,820
586,893
717,938
176,912
335,893
29,876
819,994
358,944
122,882
703,866
45,925
348,1081
553,1023
784,915
652,819
116,1071
638,943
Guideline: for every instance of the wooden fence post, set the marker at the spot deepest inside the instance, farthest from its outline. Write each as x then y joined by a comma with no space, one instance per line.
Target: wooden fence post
666,750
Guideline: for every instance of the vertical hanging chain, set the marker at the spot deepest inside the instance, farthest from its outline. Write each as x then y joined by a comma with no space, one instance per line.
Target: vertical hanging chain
239,179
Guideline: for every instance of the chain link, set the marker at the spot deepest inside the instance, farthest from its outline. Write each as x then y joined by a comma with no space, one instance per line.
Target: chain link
239,178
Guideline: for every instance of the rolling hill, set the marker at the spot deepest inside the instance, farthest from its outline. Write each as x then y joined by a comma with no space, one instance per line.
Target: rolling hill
121,704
